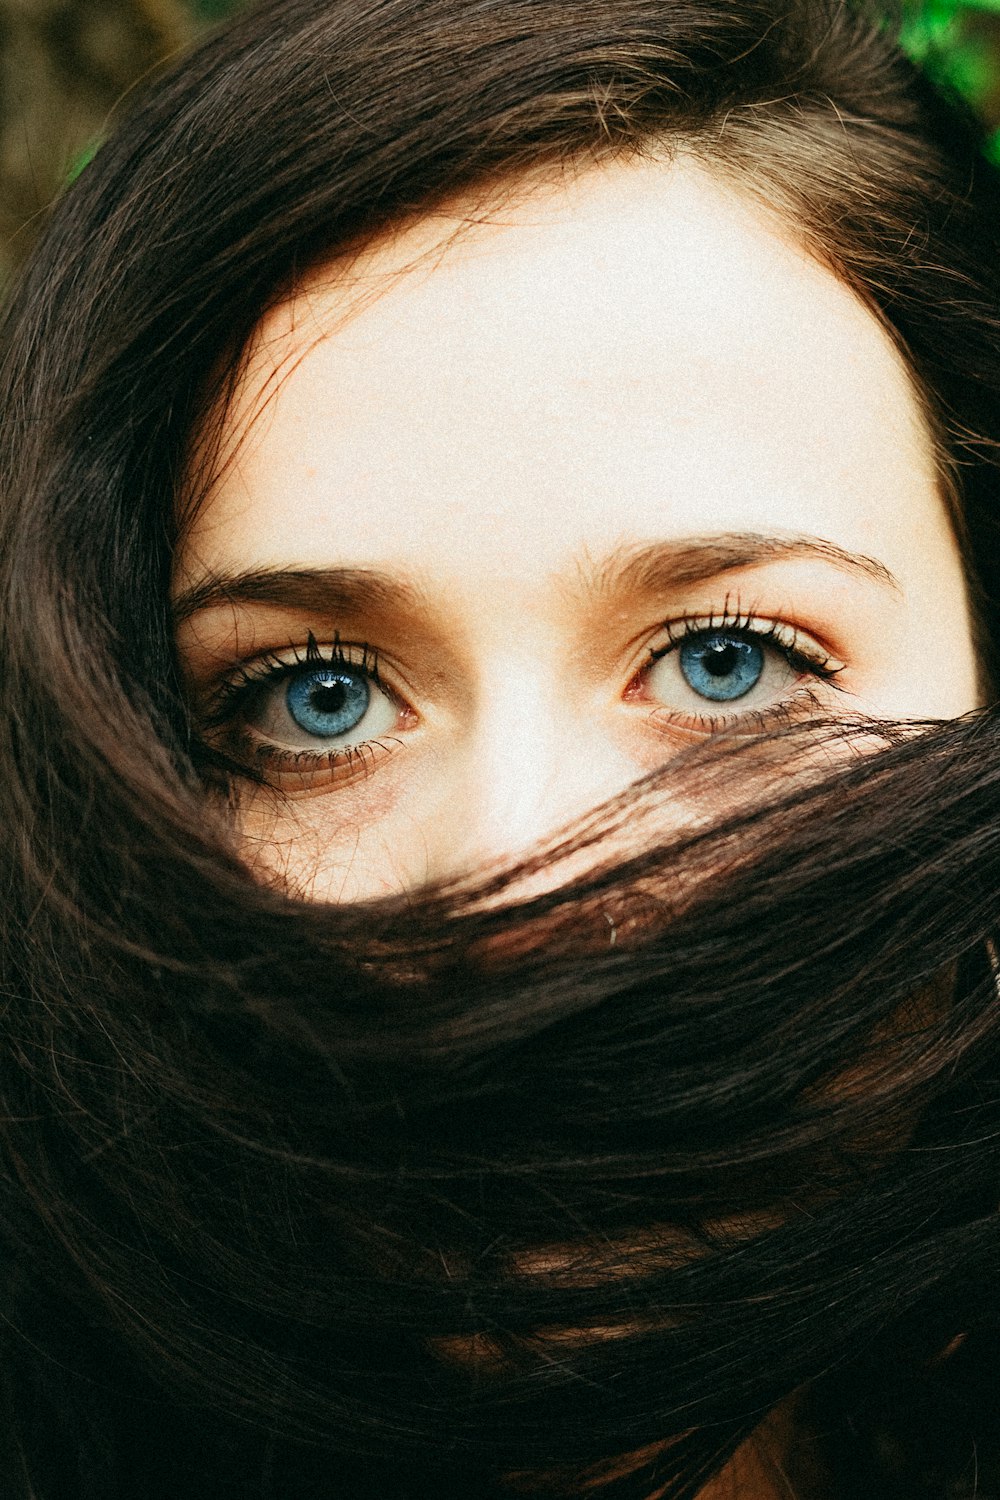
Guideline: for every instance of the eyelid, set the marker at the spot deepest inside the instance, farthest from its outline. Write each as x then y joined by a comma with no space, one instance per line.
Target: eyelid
231,705
810,662
266,669
798,645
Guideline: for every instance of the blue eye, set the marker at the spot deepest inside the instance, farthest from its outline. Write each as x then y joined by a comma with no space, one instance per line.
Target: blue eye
748,663
721,666
319,706
328,701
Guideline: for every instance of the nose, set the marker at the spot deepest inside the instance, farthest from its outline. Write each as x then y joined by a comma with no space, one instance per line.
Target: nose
533,762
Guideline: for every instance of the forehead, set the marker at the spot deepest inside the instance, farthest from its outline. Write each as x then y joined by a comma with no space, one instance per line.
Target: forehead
634,352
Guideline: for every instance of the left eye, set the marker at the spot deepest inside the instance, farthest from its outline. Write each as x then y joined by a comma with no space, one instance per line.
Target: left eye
720,666
340,705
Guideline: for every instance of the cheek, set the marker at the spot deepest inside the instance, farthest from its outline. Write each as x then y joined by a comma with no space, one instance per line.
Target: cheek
321,849
392,832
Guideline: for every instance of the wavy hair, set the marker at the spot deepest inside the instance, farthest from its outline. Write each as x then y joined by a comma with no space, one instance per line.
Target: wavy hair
453,1195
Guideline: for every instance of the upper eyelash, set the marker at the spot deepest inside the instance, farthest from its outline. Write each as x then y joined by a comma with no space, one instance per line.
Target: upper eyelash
270,667
785,637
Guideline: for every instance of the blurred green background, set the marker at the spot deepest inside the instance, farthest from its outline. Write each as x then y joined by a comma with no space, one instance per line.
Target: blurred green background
958,42
66,65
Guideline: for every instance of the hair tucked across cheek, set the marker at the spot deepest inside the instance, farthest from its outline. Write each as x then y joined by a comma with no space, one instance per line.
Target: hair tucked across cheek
882,1072
862,1110
846,1103
320,847
624,1264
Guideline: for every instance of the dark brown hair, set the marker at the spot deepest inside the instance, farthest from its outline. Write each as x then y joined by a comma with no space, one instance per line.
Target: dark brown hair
303,1200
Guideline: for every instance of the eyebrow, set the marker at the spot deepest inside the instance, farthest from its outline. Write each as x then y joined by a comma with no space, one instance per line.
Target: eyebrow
647,570
338,590
668,566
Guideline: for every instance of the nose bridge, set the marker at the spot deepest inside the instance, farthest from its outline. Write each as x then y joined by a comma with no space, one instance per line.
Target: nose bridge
518,795
533,760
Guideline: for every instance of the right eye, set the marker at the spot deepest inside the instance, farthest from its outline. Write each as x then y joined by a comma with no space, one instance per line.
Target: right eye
323,708
316,711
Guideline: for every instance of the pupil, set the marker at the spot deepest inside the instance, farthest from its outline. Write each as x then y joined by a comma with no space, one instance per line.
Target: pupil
327,697
721,660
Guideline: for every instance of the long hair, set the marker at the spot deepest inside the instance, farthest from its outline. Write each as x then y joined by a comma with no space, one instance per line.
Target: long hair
453,1195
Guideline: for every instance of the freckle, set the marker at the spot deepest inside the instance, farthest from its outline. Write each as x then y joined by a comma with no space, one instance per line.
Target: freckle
310,471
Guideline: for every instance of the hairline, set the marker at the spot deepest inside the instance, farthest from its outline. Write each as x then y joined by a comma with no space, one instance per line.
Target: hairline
717,147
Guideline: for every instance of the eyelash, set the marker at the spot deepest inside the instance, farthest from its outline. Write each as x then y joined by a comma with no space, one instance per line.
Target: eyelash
234,696
785,639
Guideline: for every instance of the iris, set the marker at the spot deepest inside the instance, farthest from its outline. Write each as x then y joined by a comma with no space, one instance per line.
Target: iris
328,701
721,666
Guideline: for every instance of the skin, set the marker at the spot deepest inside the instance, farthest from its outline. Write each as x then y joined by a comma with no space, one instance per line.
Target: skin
631,359
626,397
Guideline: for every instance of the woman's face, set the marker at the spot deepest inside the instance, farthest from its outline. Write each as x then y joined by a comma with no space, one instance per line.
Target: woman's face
501,531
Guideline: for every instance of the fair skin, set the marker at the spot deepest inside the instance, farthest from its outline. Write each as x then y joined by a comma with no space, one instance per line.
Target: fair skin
627,413
634,360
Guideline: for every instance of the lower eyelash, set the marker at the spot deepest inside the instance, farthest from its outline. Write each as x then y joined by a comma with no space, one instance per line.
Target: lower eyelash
256,759
762,720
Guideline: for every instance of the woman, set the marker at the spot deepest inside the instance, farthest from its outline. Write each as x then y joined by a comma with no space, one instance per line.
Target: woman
499,612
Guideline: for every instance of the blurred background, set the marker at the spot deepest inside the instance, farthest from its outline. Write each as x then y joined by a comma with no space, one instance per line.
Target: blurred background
67,65
64,67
